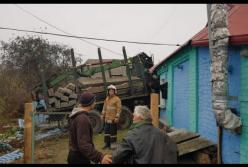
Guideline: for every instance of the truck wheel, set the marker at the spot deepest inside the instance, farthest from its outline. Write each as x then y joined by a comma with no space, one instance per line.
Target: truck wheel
96,121
125,118
63,124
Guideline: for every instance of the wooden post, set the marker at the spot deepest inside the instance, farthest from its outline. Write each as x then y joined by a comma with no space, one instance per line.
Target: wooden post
154,109
28,133
219,154
110,73
102,70
127,70
74,70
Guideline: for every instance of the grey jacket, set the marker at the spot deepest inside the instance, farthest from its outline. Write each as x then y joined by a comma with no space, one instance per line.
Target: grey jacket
145,144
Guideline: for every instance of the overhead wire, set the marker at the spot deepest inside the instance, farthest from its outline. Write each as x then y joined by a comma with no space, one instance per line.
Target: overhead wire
79,37
59,29
166,22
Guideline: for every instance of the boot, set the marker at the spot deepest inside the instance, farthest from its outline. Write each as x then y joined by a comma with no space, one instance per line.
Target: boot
113,146
106,146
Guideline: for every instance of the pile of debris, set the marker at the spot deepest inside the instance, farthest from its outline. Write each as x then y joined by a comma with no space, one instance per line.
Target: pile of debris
63,97
5,148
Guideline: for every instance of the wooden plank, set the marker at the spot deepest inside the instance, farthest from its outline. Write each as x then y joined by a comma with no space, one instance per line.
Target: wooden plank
154,109
86,81
58,94
65,91
64,104
73,96
121,86
64,98
95,89
60,90
122,91
50,92
193,145
202,158
175,132
52,100
182,136
28,133
57,104
72,102
71,86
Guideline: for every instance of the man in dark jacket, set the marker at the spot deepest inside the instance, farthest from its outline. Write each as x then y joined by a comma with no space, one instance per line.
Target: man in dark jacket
145,144
81,147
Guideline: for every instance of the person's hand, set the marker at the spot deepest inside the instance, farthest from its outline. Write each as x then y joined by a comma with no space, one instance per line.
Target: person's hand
107,159
116,120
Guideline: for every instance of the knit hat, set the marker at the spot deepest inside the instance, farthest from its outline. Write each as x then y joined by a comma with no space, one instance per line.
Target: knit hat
87,98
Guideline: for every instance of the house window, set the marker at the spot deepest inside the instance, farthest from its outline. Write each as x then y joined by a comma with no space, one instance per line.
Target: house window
164,90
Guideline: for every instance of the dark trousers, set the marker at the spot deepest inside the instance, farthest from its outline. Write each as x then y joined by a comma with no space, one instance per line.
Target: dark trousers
77,158
110,133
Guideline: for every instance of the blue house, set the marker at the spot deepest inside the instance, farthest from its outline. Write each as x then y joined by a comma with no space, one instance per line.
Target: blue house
186,103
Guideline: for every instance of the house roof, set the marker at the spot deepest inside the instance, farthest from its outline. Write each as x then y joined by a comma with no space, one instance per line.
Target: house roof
237,26
170,55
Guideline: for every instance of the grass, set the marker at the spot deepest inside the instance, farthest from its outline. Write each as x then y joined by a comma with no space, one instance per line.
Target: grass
99,140
4,119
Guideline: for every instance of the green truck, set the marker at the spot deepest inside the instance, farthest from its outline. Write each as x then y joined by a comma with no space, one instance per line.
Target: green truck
134,85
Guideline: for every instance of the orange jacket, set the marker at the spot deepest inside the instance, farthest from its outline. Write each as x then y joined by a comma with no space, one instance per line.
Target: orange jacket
111,108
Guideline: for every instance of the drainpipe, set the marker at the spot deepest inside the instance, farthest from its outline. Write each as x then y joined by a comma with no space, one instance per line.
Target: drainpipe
218,45
219,131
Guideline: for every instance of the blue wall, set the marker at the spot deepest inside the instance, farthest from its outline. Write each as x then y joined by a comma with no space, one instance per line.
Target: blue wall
231,141
181,96
206,123
206,119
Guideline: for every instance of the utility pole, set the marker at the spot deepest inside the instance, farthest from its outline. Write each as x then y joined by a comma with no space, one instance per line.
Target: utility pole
127,70
41,71
74,70
102,70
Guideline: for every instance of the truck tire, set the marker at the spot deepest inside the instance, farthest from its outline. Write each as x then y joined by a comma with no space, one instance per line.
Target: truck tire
125,118
96,121
63,124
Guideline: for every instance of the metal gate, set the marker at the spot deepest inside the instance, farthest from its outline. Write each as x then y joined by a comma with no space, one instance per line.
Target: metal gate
47,126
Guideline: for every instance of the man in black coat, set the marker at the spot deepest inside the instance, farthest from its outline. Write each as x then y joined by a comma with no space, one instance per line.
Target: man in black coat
145,144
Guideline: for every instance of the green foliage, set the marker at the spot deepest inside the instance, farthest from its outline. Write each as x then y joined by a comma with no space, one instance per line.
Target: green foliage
22,60
28,55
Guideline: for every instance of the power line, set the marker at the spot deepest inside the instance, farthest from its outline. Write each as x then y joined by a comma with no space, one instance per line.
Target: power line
166,22
42,20
79,37
102,39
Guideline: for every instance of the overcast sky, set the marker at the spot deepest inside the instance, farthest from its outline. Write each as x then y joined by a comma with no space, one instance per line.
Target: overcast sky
159,23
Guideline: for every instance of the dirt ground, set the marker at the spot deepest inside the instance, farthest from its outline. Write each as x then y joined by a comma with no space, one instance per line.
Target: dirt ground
55,150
